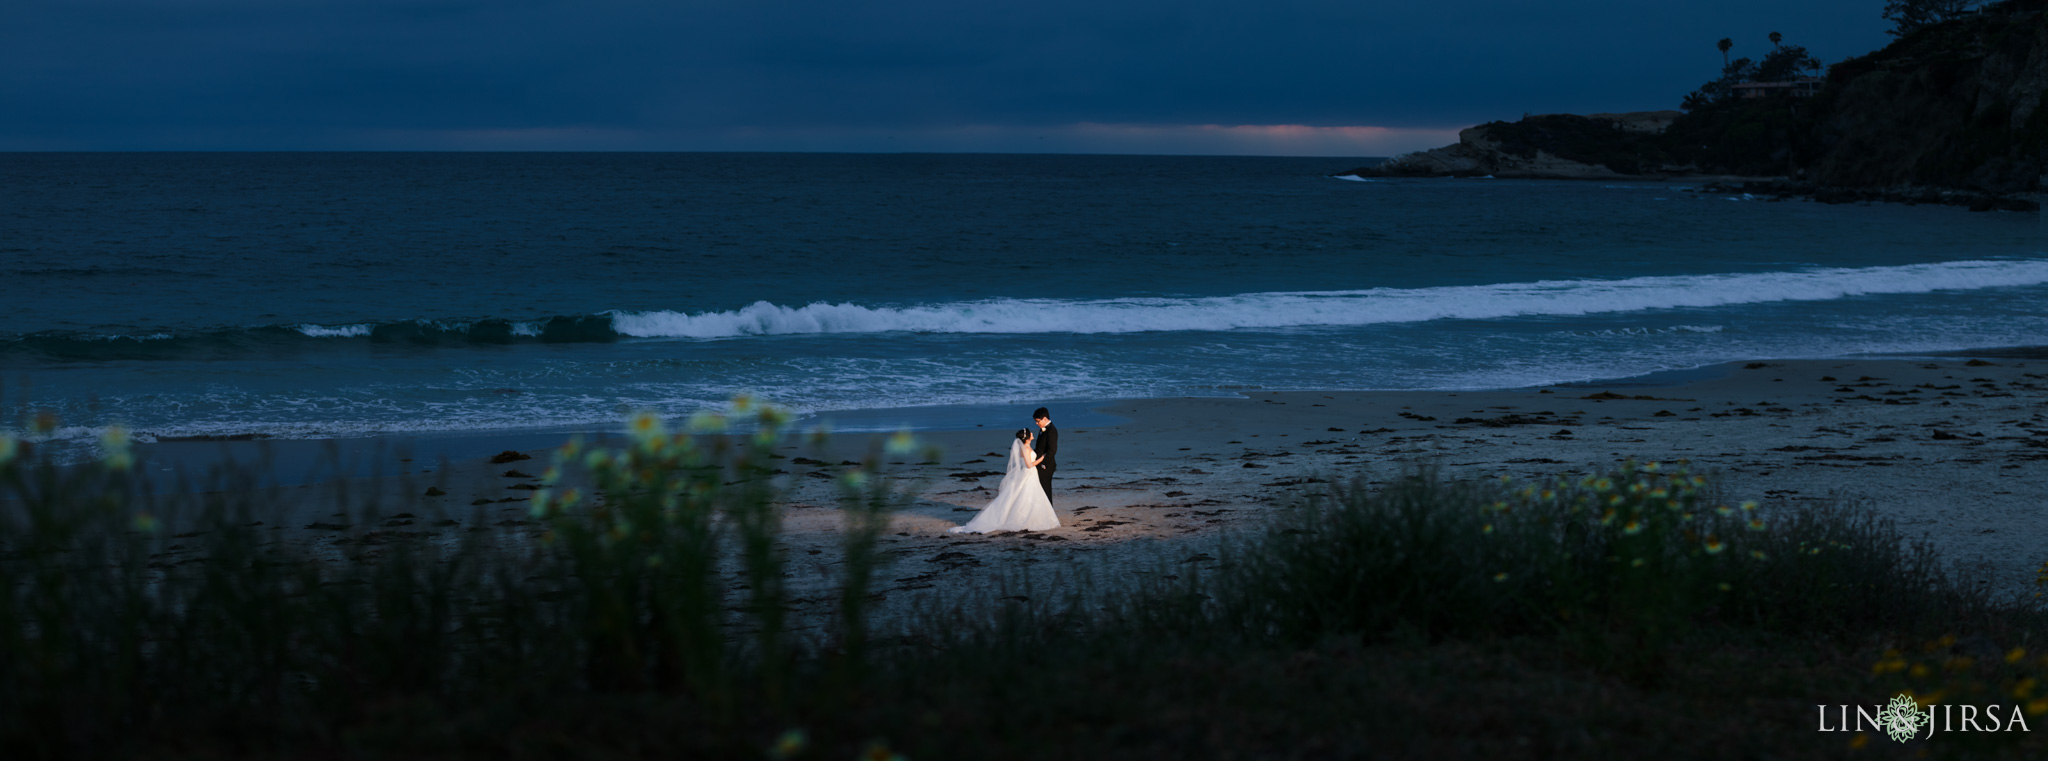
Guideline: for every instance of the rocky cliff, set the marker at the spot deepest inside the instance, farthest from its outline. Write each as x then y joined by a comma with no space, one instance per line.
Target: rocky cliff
1956,105
1953,105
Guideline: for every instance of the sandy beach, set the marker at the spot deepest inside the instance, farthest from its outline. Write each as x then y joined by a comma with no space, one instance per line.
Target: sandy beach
1950,449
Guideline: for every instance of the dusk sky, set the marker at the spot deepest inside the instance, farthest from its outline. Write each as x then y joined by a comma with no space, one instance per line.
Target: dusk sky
1286,77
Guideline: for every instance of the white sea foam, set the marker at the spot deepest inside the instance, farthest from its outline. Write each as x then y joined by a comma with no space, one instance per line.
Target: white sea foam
150,337
339,331
1336,308
1668,330
526,328
1353,178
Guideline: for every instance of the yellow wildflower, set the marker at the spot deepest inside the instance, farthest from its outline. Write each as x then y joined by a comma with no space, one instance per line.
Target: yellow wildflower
115,441
645,425
705,421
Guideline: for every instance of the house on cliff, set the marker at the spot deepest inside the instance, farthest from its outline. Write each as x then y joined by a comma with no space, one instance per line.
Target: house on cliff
1803,87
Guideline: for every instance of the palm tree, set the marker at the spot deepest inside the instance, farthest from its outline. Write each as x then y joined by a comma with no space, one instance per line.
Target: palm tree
1725,44
1775,37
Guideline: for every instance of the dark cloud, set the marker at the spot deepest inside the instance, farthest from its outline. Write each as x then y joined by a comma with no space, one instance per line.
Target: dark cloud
115,74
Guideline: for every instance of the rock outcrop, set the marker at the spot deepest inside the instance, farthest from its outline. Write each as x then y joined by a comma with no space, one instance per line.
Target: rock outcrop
1910,195
1555,146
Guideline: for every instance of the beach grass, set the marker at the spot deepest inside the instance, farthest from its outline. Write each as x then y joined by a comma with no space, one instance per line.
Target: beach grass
1611,615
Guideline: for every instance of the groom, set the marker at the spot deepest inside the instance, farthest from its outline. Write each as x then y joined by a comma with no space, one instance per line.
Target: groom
1047,447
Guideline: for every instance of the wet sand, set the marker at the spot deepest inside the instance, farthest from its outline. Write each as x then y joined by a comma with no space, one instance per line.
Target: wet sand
1950,449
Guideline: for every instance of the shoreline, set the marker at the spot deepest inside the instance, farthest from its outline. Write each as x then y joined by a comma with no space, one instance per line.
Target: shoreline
1948,448
364,454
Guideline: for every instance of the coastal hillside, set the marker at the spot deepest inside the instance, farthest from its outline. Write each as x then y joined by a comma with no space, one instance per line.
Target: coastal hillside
1954,105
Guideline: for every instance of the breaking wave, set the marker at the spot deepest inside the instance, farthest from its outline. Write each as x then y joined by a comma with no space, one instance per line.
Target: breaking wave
1249,311
1336,308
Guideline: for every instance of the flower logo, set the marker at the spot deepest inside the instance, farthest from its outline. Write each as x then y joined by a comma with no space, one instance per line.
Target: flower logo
1902,719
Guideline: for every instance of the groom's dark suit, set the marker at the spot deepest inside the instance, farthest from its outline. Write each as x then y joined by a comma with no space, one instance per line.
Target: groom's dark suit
1047,447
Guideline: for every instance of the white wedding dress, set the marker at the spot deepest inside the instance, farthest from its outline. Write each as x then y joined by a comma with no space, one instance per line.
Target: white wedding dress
1020,503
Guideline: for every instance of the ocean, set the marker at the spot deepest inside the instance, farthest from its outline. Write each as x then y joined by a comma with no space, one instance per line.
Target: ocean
313,296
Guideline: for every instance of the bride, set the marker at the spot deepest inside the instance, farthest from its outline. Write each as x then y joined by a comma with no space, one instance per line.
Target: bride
1020,503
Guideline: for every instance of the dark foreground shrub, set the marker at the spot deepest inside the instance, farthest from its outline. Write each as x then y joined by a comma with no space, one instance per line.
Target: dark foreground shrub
117,634
1641,554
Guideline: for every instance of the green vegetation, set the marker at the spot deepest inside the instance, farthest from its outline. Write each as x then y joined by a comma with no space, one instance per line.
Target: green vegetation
1784,63
1613,615
1909,16
1762,137
1577,138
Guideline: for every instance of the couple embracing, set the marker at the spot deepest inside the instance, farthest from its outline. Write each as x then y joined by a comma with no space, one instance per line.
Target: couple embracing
1024,500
